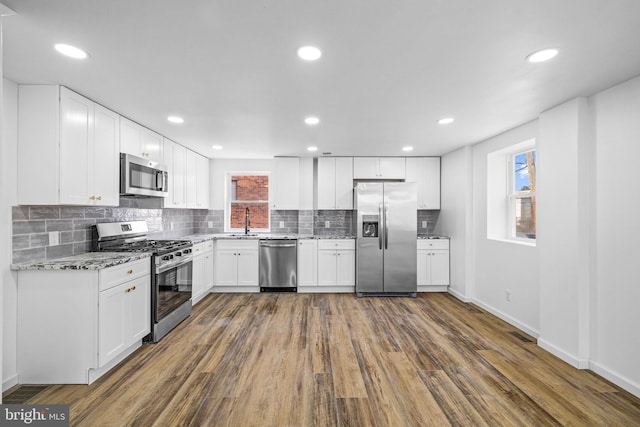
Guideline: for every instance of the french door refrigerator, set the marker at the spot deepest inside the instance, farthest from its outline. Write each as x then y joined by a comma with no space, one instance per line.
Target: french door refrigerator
386,250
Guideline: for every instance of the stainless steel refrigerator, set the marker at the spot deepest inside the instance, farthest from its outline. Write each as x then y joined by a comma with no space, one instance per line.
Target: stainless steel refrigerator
386,238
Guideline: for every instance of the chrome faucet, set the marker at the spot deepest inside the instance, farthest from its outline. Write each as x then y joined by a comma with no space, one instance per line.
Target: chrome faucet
247,221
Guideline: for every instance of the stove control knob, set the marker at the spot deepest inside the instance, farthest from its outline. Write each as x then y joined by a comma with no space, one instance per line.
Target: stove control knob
187,251
166,258
178,253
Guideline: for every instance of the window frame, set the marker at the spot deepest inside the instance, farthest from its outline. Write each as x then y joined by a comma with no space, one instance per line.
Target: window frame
513,195
228,201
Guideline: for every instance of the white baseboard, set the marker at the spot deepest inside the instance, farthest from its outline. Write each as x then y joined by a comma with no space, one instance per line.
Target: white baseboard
458,295
9,382
615,378
433,288
572,360
510,320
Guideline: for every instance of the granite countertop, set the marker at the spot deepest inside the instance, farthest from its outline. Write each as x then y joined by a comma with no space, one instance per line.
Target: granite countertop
199,238
434,236
87,261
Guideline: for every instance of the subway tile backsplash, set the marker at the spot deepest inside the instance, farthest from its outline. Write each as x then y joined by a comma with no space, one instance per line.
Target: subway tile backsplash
32,224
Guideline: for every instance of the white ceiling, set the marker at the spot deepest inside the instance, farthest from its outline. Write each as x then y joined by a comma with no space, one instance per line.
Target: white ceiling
389,69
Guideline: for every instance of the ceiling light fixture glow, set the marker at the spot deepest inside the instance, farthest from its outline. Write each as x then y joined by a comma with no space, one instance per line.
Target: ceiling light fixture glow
312,121
445,121
71,51
407,148
542,55
312,148
175,119
309,53
217,147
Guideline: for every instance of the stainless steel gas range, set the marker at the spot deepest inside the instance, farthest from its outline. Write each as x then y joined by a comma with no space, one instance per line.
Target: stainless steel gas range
171,270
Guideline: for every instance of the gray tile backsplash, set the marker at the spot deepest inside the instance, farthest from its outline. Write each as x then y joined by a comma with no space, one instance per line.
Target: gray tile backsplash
32,224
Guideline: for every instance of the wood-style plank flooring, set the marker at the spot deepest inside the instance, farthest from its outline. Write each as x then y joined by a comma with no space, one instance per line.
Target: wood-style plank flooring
333,359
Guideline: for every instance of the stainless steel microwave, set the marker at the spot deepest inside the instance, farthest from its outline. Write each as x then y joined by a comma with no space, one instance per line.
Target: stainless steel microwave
142,177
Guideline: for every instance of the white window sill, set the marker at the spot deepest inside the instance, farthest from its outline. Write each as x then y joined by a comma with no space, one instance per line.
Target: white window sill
531,243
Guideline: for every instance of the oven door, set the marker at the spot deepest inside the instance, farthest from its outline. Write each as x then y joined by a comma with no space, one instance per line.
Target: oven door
172,288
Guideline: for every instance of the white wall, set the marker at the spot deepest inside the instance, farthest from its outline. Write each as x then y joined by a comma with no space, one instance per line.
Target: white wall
503,266
456,217
616,294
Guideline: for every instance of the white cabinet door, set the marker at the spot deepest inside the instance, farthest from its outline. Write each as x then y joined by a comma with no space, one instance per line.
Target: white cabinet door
139,308
422,273
327,267
151,145
365,168
112,327
198,278
344,183
202,183
130,137
391,167
208,268
326,183
106,157
307,262
168,148
76,149
192,179
175,157
335,183
286,195
425,171
439,265
345,268
248,266
226,267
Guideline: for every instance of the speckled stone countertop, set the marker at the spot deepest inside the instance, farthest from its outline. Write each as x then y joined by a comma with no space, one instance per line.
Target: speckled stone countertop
88,261
434,236
199,238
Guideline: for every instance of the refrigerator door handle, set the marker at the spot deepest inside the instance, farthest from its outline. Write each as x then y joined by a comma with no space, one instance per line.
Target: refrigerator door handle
386,229
380,232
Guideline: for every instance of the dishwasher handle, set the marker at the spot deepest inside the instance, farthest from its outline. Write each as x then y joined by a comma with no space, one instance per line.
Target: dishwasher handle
277,245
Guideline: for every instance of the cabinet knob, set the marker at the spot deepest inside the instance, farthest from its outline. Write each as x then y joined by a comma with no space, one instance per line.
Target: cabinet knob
99,198
130,272
92,198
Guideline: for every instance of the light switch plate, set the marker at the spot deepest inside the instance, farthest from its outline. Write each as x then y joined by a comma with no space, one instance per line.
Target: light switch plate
327,224
281,224
54,238
210,224
424,224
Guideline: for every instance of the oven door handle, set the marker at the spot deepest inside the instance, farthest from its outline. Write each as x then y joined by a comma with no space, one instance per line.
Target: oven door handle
166,267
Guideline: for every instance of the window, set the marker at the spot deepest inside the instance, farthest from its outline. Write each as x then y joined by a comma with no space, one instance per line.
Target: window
511,193
247,197
522,194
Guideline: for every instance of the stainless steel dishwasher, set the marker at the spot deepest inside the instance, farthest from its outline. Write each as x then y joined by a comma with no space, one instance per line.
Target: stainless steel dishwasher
278,265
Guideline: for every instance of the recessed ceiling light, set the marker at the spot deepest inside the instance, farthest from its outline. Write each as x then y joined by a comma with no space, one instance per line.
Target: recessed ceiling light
309,53
445,121
312,121
542,55
217,147
407,148
71,51
312,148
175,119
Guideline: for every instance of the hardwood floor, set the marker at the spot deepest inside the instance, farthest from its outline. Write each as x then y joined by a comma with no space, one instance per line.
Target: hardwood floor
333,359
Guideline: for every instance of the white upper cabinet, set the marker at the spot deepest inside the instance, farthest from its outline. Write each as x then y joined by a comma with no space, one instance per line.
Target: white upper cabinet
425,171
197,180
140,141
286,195
335,183
175,157
68,150
378,168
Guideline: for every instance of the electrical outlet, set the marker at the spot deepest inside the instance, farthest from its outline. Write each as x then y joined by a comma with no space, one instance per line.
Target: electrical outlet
54,238
210,224
327,224
507,295
281,224
172,226
424,224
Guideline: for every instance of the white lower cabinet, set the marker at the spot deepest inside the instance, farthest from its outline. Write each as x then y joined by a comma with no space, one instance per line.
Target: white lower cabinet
75,325
433,265
336,265
307,263
236,266
202,279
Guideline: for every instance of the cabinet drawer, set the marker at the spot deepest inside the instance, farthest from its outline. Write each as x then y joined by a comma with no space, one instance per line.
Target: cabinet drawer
113,276
237,244
341,244
199,248
433,243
